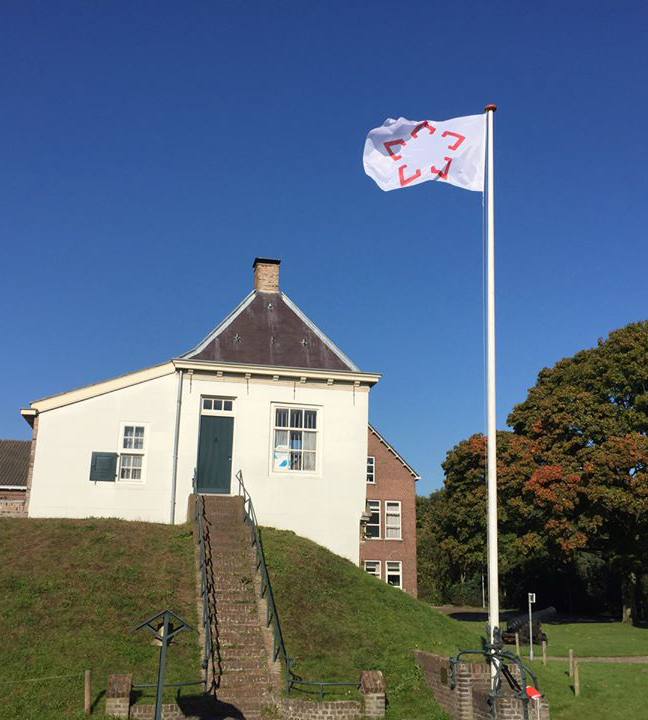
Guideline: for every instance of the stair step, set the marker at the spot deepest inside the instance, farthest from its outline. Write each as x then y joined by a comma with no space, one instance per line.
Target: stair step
224,616
254,666
242,654
240,657
233,597
242,680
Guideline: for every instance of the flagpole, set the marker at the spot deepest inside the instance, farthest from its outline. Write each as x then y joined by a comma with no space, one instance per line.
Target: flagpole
493,584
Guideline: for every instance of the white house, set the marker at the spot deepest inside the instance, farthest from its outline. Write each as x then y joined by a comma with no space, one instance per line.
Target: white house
266,393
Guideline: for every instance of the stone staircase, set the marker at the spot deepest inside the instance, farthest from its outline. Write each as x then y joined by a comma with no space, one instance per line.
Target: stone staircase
241,676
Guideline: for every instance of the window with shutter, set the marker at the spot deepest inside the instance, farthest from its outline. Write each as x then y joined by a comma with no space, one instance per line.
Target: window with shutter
103,467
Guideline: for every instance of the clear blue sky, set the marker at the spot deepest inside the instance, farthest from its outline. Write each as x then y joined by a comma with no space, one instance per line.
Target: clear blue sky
150,150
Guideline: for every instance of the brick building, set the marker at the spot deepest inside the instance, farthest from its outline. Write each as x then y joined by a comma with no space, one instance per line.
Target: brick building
14,465
389,548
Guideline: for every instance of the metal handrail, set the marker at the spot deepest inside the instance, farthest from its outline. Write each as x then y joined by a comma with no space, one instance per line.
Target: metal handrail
199,513
272,617
496,653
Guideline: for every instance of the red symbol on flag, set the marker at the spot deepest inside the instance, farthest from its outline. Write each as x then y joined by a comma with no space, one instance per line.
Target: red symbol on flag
443,174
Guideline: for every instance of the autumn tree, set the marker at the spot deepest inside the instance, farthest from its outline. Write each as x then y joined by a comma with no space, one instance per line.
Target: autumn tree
462,517
572,475
587,421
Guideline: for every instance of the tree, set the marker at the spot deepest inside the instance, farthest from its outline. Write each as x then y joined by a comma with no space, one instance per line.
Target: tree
462,520
572,476
587,421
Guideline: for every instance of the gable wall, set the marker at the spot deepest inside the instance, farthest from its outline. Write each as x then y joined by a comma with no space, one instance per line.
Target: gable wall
393,482
324,506
68,435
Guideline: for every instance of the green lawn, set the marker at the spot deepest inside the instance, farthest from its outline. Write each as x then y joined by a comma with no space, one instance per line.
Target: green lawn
338,620
70,593
611,639
612,692
595,639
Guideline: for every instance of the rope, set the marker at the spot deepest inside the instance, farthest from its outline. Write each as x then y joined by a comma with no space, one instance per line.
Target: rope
50,677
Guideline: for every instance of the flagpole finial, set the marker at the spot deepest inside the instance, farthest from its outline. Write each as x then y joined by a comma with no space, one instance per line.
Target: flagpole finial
492,107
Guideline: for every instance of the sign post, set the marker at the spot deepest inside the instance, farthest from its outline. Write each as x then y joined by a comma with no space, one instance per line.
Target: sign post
164,626
532,600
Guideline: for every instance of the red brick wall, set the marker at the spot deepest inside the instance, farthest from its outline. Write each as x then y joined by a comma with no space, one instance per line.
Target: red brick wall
12,503
393,482
468,700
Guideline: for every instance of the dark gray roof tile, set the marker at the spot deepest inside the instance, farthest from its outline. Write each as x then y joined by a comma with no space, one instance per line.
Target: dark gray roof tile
14,462
270,330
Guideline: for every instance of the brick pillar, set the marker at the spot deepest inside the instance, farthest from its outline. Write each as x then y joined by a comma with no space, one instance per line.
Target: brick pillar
118,693
372,688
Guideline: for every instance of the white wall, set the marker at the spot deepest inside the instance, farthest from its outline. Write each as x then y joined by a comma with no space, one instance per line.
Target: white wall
324,506
68,435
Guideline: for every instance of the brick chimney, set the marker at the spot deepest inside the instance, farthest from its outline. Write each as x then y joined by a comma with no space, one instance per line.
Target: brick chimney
266,275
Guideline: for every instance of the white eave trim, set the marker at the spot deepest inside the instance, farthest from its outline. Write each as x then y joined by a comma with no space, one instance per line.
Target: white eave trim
101,388
210,366
413,472
13,487
220,327
329,343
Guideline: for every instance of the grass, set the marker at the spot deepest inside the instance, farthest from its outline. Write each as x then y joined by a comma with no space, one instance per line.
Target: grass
70,593
587,639
338,620
613,639
613,692
72,590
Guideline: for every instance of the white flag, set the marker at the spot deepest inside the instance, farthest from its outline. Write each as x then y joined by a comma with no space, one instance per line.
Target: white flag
408,152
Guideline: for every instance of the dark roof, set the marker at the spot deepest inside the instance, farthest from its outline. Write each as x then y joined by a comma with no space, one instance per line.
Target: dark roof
14,462
268,329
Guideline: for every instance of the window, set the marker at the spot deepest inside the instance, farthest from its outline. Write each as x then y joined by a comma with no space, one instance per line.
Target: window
133,437
295,439
211,405
393,519
373,526
371,469
394,572
372,567
131,462
130,467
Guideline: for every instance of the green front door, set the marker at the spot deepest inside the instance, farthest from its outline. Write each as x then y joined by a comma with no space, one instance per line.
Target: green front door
215,454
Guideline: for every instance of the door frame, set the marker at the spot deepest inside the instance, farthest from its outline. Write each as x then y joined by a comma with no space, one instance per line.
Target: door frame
227,414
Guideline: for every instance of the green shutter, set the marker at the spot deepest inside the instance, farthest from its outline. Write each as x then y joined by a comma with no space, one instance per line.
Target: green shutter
103,467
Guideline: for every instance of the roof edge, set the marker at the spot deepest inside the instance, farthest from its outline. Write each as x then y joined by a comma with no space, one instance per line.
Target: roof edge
327,341
411,470
227,320
86,392
276,370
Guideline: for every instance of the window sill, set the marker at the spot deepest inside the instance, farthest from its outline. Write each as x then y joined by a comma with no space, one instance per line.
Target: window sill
296,473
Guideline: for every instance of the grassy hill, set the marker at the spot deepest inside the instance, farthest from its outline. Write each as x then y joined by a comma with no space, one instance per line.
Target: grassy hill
338,620
72,590
70,593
